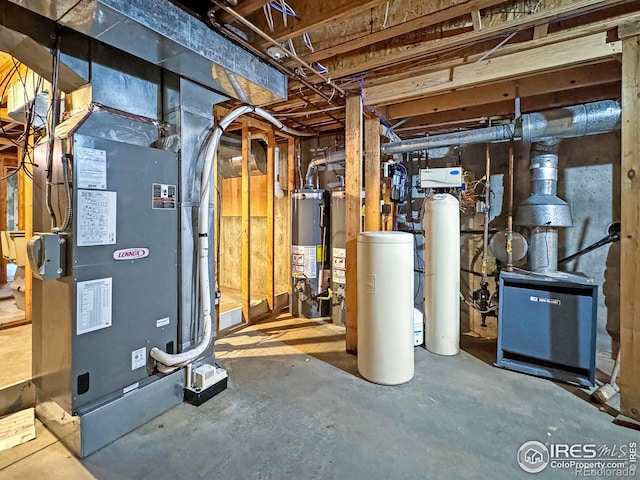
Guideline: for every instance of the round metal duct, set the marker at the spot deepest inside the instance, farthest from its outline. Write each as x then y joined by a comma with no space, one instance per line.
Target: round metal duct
230,157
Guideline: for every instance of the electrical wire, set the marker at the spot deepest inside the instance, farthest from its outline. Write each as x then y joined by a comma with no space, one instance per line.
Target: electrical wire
394,137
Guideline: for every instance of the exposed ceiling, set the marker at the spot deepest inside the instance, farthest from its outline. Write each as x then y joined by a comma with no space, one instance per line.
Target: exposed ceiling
10,130
433,66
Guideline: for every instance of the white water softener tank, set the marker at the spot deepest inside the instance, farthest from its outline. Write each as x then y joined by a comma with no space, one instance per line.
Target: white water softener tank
385,307
442,274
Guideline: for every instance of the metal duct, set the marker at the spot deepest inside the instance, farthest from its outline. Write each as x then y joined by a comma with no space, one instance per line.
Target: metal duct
543,212
567,122
230,157
165,35
329,158
37,58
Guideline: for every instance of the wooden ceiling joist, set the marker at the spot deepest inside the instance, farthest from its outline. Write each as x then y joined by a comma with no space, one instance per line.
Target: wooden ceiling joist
482,114
313,15
560,81
244,8
436,12
361,61
547,58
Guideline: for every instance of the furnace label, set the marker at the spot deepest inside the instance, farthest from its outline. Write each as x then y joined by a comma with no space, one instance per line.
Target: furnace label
164,197
93,305
91,167
139,358
96,218
303,260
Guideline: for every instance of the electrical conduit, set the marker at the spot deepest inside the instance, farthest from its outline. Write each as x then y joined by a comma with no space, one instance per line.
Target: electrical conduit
169,361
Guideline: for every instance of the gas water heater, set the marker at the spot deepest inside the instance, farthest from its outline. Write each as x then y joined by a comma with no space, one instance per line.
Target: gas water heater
309,244
338,256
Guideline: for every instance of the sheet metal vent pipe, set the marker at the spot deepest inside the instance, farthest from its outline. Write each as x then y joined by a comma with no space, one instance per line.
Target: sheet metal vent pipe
543,212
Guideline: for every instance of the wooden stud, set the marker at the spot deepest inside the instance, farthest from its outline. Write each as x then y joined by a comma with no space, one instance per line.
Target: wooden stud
3,217
372,174
571,52
353,190
629,380
245,281
25,222
476,19
270,254
540,31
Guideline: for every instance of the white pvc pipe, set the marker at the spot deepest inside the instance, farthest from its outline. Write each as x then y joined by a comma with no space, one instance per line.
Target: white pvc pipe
277,188
177,360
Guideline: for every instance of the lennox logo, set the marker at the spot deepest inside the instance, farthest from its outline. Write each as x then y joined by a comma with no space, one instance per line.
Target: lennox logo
130,253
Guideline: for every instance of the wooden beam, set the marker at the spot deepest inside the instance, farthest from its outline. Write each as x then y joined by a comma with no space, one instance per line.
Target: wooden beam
372,174
571,52
384,55
479,115
315,15
245,281
270,253
353,191
433,13
221,112
291,165
25,222
3,217
17,428
629,380
540,31
559,81
476,20
244,8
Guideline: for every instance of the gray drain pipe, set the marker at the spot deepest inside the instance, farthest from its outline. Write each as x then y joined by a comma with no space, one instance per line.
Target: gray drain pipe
567,122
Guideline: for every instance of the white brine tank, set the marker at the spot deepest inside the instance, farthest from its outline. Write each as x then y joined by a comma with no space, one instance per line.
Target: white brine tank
442,274
385,307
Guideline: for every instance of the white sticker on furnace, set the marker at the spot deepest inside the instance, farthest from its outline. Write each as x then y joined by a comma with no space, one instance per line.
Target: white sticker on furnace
163,322
93,305
96,218
303,260
91,166
139,358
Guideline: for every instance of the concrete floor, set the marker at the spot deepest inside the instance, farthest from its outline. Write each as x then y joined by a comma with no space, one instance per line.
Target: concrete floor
296,409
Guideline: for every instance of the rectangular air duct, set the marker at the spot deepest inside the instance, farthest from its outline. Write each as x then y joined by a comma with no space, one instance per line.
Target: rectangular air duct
165,35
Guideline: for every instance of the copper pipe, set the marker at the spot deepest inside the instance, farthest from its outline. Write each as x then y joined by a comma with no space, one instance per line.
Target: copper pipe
510,213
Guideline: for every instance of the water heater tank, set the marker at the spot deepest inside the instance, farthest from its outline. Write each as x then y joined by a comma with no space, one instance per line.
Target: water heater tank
385,307
309,243
442,274
338,256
